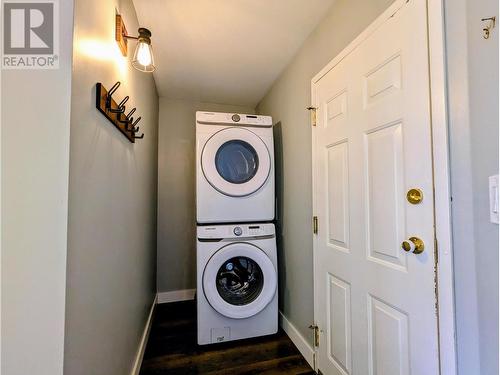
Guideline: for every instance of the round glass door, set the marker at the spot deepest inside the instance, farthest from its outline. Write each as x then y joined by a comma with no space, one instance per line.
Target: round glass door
239,280
236,162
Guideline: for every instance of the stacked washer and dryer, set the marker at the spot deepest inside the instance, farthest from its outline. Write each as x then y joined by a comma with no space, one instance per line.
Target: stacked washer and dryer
236,245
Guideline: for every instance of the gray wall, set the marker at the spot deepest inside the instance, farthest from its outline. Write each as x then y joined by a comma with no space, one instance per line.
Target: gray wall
112,201
286,102
34,165
473,105
176,191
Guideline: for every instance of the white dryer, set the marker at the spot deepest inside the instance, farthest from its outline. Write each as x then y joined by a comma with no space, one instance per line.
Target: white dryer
235,168
236,282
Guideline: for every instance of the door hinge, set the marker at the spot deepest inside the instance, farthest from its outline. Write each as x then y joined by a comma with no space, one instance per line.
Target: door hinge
313,115
315,224
315,329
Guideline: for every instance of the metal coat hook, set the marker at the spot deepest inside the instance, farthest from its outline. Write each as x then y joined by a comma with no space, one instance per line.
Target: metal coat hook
132,124
121,106
125,121
110,94
491,25
139,137
130,113
128,119
136,122
113,89
128,123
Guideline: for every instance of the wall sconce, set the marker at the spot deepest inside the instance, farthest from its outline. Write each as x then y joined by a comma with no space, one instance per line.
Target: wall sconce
143,58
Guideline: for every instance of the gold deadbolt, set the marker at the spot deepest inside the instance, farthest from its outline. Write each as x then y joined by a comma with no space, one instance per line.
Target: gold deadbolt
414,245
415,196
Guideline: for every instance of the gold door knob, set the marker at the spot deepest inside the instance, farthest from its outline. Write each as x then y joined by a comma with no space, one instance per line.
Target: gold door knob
414,245
415,196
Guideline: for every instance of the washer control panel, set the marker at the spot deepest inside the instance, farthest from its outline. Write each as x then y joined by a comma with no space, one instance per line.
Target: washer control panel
213,232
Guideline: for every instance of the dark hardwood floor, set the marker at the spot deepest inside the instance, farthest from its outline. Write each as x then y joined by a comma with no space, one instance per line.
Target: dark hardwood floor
172,349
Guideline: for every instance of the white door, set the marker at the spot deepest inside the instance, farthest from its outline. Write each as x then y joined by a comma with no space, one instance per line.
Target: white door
375,301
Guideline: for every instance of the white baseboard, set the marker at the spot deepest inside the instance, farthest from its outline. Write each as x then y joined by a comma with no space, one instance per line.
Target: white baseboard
176,295
144,340
300,342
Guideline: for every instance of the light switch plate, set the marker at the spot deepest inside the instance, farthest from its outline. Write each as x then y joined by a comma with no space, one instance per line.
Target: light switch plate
494,199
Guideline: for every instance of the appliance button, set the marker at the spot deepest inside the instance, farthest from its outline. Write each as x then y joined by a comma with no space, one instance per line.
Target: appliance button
236,118
238,231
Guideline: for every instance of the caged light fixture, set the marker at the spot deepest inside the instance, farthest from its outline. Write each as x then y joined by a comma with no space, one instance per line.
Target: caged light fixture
143,58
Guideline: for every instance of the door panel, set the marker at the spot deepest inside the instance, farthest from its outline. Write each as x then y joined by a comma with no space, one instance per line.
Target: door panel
382,81
338,205
336,107
388,339
384,186
339,340
372,143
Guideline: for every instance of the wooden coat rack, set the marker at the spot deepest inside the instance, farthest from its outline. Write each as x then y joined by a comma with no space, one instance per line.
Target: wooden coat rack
115,113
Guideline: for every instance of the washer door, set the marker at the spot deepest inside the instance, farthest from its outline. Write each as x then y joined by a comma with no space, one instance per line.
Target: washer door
236,162
239,280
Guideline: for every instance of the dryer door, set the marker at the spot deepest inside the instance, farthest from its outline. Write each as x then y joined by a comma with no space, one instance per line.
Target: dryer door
239,280
236,162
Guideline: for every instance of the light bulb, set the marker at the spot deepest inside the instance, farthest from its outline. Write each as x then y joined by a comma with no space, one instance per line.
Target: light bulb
143,54
143,59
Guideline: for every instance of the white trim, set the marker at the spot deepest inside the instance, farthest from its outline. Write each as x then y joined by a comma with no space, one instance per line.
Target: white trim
298,340
1,127
144,340
176,296
437,70
442,196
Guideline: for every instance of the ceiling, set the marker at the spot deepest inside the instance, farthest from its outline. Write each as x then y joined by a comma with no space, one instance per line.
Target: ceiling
225,51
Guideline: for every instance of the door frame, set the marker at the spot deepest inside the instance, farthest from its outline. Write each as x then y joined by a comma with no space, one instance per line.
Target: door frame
441,170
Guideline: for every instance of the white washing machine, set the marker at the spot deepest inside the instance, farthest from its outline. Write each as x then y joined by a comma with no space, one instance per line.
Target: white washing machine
237,282
235,168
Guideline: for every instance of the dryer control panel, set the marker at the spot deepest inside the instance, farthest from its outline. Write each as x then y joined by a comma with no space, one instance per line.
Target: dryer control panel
233,231
213,118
